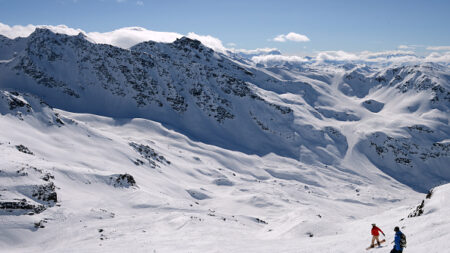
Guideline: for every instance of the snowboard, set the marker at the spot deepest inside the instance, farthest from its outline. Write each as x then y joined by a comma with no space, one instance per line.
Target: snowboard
381,241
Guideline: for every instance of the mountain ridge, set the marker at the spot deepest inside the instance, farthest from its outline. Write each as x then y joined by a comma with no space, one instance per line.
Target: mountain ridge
207,95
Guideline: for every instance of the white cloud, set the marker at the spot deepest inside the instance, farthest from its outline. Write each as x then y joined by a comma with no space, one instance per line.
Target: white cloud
383,57
140,3
264,59
250,53
367,56
438,57
336,56
209,41
439,48
291,37
396,56
130,36
265,50
386,55
23,31
405,47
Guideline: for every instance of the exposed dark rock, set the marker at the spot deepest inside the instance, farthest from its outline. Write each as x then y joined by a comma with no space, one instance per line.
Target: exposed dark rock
22,172
40,224
24,149
429,194
186,43
420,128
420,208
149,154
47,177
58,119
123,180
138,162
15,103
258,220
45,193
403,160
418,211
403,149
21,205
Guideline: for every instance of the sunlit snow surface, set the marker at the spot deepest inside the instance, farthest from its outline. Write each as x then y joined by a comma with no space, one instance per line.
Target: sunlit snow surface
221,156
158,214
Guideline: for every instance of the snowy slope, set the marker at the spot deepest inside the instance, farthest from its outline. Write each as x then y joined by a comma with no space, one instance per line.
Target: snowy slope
188,188
203,197
396,117
175,147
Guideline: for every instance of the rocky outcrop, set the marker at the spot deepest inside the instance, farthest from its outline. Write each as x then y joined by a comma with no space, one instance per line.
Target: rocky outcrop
122,180
148,154
418,211
20,206
29,191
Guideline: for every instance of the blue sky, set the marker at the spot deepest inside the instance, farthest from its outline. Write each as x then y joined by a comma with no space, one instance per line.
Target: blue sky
330,25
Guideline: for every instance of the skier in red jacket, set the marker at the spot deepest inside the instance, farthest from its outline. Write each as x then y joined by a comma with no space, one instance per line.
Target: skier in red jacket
375,234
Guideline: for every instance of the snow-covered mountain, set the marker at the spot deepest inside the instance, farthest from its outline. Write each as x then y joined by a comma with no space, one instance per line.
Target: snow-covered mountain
173,142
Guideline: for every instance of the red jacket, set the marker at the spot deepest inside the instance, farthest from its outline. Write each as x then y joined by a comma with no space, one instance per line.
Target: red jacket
375,230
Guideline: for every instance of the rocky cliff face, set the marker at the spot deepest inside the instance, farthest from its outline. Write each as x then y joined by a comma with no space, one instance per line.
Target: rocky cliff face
183,84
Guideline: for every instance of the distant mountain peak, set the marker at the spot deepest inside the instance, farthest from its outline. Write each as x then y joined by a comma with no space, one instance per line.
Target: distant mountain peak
42,31
185,42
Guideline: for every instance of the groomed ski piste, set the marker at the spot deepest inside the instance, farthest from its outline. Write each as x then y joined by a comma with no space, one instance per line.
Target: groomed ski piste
274,159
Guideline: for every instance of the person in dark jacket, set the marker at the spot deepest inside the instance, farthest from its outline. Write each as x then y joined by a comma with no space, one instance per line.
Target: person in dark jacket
375,234
398,237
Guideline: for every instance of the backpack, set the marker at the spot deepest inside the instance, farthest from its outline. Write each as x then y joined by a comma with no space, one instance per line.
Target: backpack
403,241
